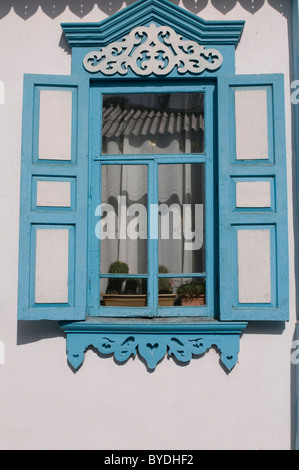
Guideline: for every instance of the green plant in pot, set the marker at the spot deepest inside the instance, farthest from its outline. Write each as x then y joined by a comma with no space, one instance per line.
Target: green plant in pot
192,293
164,283
123,292
132,287
115,284
166,297
132,292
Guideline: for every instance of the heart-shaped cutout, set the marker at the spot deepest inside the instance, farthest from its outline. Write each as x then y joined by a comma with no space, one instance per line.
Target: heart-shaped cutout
152,347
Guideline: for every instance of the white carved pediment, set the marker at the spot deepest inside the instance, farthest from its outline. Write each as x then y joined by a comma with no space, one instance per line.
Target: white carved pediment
154,50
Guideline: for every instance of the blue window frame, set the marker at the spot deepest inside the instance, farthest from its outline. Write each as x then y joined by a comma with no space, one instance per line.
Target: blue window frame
152,163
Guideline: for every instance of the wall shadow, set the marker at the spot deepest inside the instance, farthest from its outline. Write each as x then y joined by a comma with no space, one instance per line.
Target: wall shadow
265,328
25,9
33,331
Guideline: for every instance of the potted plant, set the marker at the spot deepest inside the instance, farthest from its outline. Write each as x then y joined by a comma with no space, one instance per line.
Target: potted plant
123,292
166,297
133,292
192,293
115,284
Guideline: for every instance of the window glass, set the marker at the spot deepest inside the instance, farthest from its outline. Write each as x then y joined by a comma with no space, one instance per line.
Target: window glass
155,123
123,292
140,215
181,291
181,217
124,217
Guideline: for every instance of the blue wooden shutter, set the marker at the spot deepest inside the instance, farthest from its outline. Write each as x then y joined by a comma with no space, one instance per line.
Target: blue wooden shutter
253,257
53,199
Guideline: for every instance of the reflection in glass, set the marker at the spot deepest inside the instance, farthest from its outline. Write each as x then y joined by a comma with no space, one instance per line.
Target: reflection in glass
182,218
125,292
190,292
186,292
123,211
155,123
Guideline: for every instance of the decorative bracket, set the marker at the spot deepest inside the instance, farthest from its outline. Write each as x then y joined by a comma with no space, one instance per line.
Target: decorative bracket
153,340
152,50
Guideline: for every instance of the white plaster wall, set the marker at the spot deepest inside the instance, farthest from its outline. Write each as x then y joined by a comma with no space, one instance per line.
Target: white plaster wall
43,404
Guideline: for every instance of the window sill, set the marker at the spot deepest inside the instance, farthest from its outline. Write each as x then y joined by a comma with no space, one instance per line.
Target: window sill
152,339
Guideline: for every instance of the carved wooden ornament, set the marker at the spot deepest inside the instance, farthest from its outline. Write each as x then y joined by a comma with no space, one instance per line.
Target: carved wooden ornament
152,50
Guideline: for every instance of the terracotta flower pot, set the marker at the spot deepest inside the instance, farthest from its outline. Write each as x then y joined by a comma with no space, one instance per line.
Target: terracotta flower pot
194,301
119,300
166,300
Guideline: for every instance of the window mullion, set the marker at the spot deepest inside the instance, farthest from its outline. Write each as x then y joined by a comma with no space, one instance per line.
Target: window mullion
153,201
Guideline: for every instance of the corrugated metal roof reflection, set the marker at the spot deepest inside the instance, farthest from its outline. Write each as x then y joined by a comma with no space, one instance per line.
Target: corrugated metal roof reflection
118,121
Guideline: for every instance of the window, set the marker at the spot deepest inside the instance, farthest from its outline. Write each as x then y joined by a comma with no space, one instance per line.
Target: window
152,177
152,157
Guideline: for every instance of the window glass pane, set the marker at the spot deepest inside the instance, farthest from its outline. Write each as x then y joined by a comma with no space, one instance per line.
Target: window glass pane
124,218
182,292
182,218
156,123
125,292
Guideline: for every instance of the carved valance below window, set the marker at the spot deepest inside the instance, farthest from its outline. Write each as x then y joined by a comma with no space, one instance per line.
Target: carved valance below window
153,340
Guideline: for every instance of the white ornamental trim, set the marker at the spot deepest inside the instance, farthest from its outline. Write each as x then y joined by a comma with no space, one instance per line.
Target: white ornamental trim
152,50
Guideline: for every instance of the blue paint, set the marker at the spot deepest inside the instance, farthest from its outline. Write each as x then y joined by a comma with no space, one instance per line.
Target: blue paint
177,335
295,109
55,87
152,341
248,179
152,162
143,12
74,220
255,311
71,181
86,37
67,308
268,89
229,169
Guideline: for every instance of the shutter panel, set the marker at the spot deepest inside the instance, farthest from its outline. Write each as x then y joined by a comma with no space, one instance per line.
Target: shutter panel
53,200
253,258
